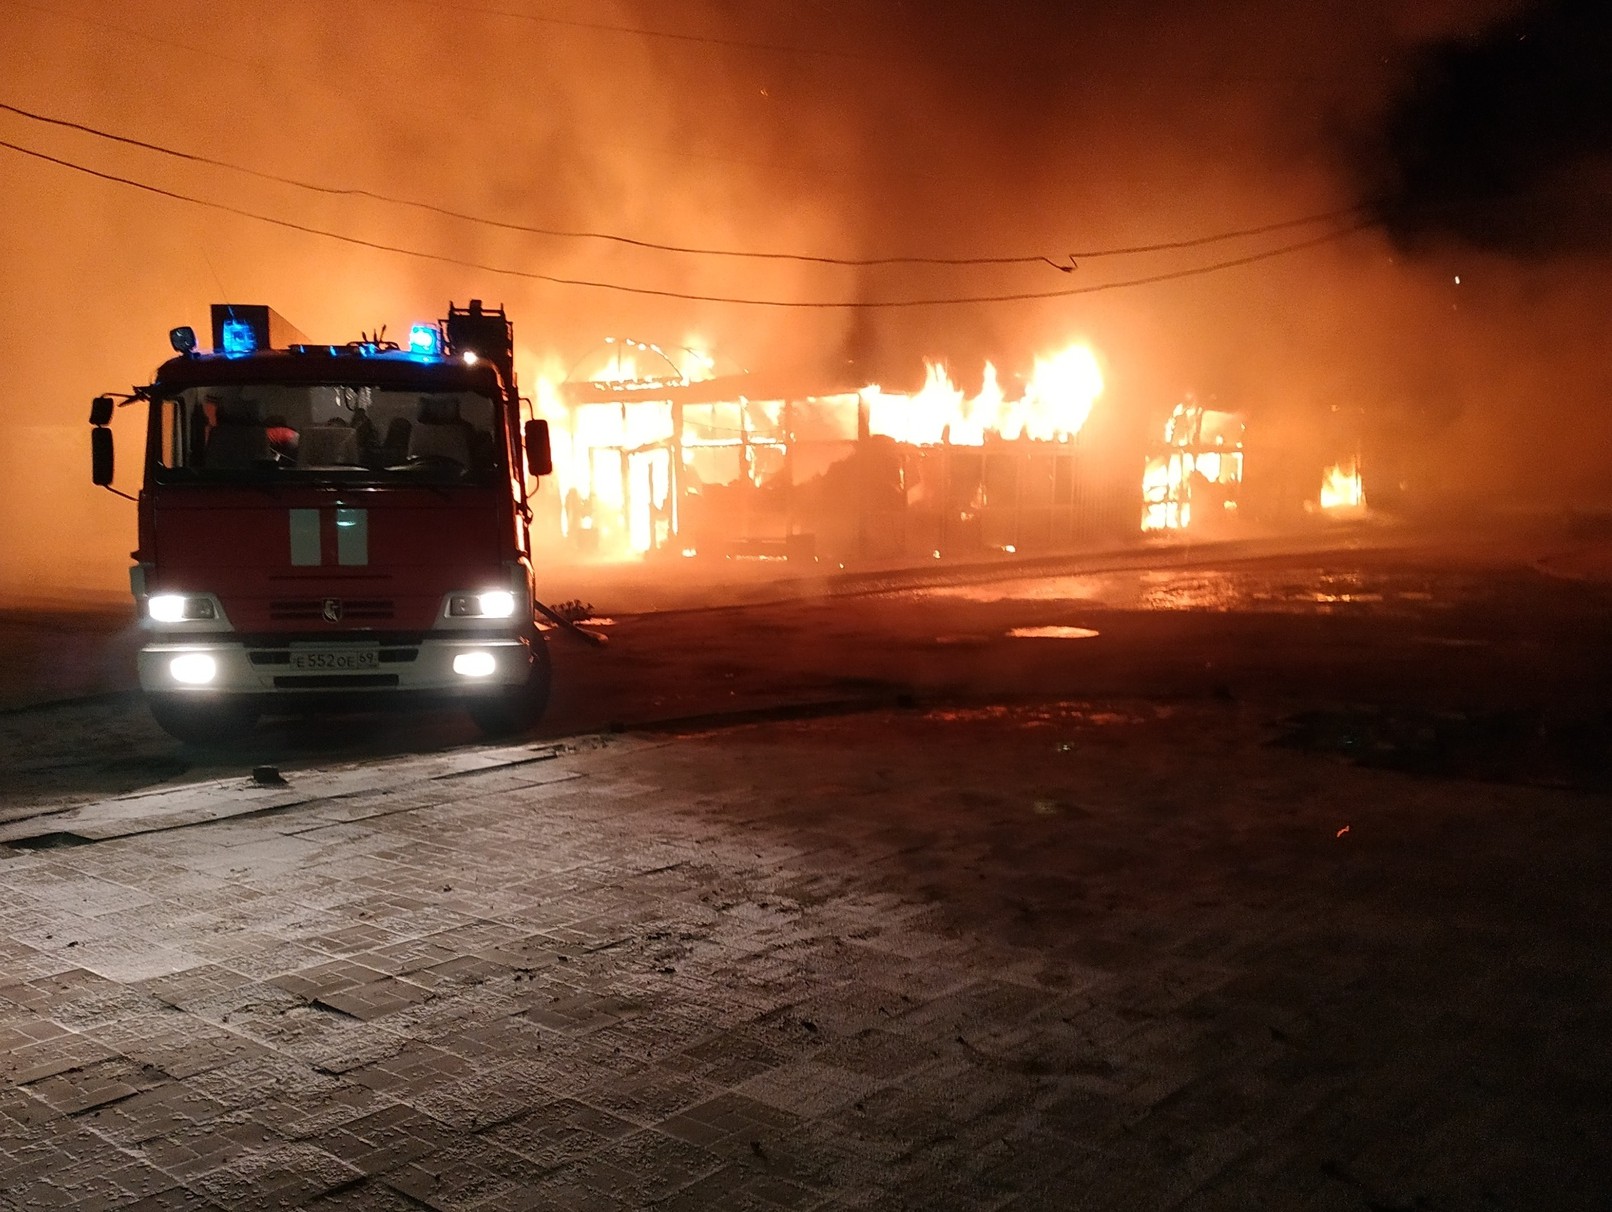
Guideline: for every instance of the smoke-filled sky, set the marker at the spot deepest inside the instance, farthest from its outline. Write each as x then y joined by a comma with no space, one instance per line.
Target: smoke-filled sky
1464,138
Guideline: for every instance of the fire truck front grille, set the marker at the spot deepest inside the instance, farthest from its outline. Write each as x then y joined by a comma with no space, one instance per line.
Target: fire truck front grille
282,656
336,681
353,610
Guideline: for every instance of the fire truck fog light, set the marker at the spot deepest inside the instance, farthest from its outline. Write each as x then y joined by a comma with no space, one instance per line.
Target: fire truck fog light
474,664
193,669
498,604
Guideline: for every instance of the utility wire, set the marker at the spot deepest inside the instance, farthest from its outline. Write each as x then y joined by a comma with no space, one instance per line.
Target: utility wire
1023,56
857,304
641,32
527,229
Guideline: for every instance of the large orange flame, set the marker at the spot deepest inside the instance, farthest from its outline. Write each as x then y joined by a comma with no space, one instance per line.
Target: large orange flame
1053,406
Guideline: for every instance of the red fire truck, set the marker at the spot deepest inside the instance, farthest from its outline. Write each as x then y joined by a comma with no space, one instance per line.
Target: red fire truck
335,525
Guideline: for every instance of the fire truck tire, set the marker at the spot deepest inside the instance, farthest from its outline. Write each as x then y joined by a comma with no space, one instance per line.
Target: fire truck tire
202,723
521,708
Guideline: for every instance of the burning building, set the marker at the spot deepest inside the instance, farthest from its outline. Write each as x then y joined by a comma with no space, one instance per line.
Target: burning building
656,454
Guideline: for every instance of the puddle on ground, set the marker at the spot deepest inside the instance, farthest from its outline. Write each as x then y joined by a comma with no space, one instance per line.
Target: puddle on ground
1052,633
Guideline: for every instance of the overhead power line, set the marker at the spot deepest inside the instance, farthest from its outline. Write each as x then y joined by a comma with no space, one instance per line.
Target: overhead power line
689,250
857,304
1033,56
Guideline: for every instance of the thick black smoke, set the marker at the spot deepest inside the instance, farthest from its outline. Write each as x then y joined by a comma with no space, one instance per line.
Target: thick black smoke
1503,141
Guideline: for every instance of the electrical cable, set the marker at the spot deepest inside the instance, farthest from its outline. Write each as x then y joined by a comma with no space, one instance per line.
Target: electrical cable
532,275
527,229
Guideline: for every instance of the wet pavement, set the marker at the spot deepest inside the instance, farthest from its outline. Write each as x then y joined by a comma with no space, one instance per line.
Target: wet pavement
1067,955
1284,889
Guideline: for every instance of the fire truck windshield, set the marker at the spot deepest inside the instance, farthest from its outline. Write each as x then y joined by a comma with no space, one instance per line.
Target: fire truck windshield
344,432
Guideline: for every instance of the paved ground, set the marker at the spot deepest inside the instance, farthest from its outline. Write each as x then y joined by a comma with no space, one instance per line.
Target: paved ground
956,957
1287,890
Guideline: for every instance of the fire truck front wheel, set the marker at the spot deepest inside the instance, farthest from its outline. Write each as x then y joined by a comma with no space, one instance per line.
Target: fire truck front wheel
519,709
201,722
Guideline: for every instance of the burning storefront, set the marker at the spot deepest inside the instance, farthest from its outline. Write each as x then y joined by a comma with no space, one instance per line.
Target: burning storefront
1194,477
656,454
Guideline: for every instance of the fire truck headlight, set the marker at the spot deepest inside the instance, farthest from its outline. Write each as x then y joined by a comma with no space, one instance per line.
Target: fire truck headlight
193,669
474,664
499,604
494,604
180,608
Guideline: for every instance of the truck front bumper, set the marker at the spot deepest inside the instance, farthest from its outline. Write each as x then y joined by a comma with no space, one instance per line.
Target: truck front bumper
462,665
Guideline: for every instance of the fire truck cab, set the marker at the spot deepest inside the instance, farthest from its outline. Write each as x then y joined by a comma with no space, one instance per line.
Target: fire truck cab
335,525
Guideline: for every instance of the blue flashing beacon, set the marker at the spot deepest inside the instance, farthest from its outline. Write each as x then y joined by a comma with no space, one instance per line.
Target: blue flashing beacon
239,338
425,340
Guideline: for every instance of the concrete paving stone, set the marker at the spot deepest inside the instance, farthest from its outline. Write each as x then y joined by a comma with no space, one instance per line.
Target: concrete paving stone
914,981
170,1199
20,1115
154,1112
730,1056
808,1088
369,1194
462,970
190,1152
87,896
416,1064
244,948
525,954
297,1116
94,1084
132,958
407,952
726,1118
647,1094
44,994
25,1029
250,1080
489,1044
735,1188
581,1013
286,1176
333,976
877,1053
661,1036
388,1137
493,1096
20,964
350,941
641,1167
555,1133
378,998
465,1173
848,1009
184,1051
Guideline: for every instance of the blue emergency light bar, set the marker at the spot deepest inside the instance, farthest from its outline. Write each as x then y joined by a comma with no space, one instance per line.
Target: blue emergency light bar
239,337
425,340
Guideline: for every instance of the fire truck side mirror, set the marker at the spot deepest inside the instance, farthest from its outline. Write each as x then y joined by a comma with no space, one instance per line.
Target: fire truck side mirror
101,410
539,455
101,456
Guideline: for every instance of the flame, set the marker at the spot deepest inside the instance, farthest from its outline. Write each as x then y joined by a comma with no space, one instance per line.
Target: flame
1053,407
613,459
1203,456
1060,395
1341,487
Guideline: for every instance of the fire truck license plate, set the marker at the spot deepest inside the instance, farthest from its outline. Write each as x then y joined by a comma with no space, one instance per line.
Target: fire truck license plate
336,661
